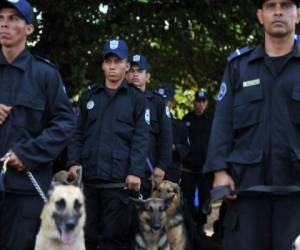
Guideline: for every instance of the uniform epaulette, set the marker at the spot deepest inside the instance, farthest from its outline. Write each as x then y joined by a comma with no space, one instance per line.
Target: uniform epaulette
238,53
45,61
89,88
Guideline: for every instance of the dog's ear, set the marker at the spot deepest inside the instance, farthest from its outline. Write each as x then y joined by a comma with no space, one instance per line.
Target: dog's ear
140,204
168,200
53,184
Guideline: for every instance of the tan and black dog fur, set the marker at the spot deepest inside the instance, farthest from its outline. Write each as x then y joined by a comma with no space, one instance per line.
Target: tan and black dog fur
62,220
151,232
175,226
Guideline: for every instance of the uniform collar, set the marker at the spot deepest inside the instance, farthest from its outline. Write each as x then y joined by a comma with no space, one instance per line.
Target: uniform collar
21,61
124,85
148,94
259,52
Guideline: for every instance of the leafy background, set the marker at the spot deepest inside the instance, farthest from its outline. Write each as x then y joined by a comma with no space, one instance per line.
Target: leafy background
187,42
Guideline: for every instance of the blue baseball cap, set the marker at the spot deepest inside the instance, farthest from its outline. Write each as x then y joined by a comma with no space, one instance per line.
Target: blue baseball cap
167,92
141,61
116,47
201,95
22,6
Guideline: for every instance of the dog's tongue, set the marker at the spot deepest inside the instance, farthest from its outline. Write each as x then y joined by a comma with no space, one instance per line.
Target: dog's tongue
67,238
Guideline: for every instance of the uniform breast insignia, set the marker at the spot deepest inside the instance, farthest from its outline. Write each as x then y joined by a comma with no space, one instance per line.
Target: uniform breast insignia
147,116
222,92
251,83
90,105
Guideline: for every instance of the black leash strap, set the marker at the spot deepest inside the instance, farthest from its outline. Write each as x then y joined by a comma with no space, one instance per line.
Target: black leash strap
219,193
107,185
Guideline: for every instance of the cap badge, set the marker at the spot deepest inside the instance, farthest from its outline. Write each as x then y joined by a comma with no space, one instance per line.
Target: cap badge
136,58
114,44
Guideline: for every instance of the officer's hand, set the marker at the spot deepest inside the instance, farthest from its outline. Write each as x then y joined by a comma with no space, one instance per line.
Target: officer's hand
221,178
133,183
158,175
72,173
4,112
15,162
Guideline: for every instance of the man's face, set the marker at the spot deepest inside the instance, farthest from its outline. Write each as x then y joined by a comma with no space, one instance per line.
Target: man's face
13,28
201,106
115,68
278,17
139,77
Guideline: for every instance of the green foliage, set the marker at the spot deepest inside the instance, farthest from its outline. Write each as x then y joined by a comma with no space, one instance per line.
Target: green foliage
187,42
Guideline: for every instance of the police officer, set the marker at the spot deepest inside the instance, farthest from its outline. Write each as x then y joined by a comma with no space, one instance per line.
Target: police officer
111,143
254,143
199,125
36,121
160,144
180,145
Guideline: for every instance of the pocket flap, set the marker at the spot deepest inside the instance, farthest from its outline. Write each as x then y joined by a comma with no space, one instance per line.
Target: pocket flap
120,155
245,156
31,102
247,95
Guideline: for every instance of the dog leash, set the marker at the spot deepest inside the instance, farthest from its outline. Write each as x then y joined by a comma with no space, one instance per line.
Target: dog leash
32,179
220,192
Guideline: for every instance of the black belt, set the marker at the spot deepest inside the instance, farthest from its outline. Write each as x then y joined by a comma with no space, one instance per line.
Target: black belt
107,185
219,193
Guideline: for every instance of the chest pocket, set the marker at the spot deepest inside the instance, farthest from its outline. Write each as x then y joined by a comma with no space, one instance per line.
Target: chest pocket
125,125
28,113
247,107
295,106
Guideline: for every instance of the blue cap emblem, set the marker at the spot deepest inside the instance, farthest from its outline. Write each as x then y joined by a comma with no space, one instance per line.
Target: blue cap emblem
114,44
136,58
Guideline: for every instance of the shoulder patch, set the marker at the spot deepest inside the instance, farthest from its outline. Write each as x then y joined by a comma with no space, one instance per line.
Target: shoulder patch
238,53
44,60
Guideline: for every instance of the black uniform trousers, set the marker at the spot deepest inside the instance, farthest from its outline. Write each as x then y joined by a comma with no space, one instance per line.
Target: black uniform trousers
19,221
189,183
262,223
109,213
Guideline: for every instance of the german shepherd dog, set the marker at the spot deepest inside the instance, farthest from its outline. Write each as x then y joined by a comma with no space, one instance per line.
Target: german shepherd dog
151,233
62,220
175,225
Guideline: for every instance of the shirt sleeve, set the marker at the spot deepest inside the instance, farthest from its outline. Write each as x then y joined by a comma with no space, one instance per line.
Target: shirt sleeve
165,136
44,148
139,144
221,138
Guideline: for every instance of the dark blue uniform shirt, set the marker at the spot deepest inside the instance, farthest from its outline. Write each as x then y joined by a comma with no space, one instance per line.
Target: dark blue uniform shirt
199,127
111,139
160,141
41,120
256,128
